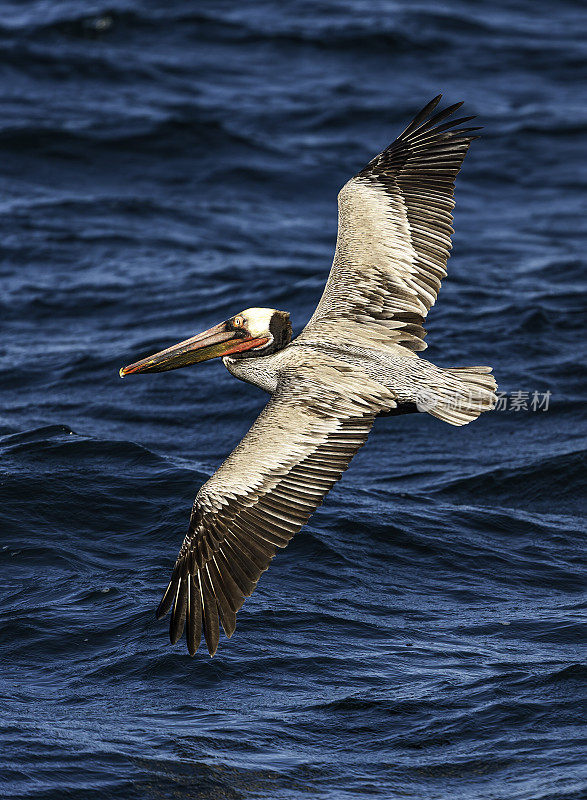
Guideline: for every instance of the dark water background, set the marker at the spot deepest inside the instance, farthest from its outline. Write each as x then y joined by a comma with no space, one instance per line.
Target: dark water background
164,165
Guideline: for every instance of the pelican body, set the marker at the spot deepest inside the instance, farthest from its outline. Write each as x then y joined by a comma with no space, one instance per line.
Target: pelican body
356,359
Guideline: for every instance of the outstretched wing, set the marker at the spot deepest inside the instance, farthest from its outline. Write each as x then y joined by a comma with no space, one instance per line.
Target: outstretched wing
264,492
394,228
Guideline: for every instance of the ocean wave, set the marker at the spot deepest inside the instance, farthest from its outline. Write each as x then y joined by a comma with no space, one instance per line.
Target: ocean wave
144,135
527,484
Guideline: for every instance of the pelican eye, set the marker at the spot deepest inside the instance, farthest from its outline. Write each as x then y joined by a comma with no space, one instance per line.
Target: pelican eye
239,322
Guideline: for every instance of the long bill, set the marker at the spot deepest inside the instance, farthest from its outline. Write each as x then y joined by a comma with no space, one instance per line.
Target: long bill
221,340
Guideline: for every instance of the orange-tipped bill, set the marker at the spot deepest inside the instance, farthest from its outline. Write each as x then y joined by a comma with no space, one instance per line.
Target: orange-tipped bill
221,340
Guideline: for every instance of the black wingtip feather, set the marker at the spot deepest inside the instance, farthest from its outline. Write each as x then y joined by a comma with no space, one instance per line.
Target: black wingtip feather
440,115
193,617
226,614
421,116
177,620
423,123
453,123
210,616
166,600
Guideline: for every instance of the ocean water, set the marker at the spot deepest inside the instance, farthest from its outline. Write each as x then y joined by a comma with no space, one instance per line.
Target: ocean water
165,165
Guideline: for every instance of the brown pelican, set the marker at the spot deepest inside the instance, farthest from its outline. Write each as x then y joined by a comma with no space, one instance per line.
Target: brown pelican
357,358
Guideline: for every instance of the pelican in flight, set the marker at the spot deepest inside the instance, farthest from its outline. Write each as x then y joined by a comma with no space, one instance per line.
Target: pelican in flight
356,359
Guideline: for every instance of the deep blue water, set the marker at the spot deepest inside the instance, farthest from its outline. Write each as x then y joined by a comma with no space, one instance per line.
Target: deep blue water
164,165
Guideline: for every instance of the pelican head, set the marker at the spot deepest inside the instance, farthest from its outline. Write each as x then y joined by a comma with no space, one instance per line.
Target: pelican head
253,332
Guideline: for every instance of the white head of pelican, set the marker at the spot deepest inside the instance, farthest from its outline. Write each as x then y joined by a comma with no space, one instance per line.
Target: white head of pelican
255,331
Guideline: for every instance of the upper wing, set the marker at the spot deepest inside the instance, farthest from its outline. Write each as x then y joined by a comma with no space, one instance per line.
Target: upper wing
264,492
394,227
